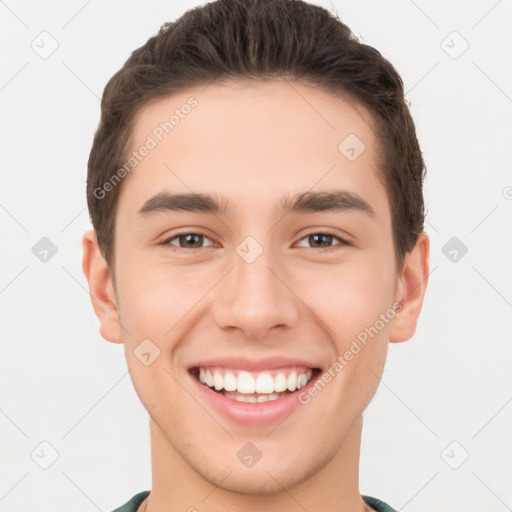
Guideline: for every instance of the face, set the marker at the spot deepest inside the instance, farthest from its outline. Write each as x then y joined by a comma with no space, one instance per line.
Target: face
261,286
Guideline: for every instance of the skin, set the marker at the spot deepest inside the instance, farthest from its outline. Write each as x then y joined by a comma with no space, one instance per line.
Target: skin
254,144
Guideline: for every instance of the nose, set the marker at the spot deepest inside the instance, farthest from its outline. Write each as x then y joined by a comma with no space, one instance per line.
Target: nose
256,298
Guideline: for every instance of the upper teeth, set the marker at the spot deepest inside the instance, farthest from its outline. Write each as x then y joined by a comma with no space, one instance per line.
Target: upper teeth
263,382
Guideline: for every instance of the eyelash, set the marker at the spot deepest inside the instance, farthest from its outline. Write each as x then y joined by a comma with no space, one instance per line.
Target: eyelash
324,249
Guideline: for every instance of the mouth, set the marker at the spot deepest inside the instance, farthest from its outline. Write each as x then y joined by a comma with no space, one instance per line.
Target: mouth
240,385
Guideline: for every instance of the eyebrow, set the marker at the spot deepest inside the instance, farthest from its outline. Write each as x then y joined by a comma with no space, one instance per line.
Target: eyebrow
306,202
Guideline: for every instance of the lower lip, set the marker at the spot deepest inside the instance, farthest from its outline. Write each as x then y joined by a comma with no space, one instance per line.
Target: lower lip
257,413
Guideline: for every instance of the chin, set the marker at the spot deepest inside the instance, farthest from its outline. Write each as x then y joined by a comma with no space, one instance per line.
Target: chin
265,478
260,483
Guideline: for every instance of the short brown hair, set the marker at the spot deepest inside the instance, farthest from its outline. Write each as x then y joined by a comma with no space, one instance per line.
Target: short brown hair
260,40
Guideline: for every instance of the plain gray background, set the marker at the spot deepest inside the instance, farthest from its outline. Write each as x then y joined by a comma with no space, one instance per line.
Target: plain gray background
67,400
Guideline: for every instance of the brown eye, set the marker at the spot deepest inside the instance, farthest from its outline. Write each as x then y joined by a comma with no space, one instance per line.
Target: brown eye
187,241
323,240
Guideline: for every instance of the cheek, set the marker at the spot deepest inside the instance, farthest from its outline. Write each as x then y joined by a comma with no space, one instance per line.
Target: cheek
349,297
153,299
153,308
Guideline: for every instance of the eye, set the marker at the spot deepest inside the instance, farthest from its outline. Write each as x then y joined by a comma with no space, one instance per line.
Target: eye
187,240
190,240
323,240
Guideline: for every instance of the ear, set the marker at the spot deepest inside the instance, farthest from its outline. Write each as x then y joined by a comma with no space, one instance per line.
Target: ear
101,290
410,290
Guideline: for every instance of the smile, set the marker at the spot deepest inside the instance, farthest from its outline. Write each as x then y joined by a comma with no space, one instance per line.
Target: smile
254,387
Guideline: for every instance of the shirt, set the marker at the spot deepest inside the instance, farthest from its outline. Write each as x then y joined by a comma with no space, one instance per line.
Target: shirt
134,503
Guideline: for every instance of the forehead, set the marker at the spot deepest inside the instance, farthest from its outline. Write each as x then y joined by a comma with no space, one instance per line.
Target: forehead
252,143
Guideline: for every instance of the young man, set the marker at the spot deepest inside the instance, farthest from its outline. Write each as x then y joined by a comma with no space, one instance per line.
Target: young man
255,187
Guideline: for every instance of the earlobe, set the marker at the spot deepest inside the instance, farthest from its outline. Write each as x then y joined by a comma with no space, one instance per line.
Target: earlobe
411,290
101,290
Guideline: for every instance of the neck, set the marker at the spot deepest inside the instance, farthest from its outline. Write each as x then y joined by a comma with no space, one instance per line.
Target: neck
176,486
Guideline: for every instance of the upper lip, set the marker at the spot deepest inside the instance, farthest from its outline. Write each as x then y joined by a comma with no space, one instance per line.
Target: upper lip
241,363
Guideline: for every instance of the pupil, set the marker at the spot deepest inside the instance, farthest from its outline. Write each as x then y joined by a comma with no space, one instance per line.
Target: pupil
190,238
322,236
